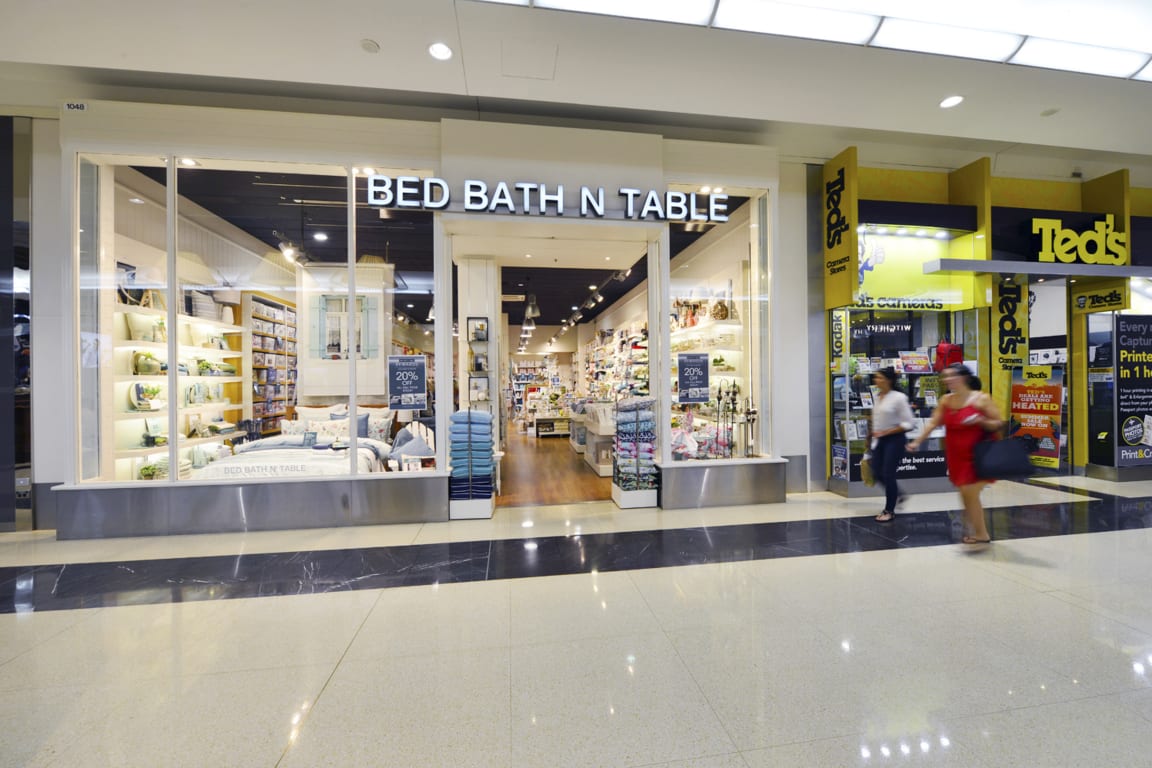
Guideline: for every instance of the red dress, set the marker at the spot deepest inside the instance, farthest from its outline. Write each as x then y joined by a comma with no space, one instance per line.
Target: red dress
960,443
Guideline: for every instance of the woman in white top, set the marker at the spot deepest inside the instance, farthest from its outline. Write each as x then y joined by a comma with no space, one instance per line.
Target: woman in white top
891,419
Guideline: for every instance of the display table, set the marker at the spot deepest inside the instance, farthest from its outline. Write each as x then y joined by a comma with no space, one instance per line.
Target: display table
598,449
547,426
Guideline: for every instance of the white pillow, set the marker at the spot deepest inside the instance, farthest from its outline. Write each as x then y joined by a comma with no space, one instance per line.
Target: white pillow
289,427
306,412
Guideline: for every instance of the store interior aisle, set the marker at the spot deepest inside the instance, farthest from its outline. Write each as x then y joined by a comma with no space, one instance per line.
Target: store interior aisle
544,471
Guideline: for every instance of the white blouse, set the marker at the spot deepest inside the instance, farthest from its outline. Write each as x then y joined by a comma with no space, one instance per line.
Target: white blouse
891,412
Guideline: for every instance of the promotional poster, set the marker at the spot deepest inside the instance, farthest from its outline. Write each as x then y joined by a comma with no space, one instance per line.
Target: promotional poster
1037,410
1133,390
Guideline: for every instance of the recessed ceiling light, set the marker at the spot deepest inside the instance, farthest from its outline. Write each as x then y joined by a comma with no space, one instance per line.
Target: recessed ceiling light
135,201
188,162
369,171
411,306
718,190
440,52
527,255
607,258
591,287
574,307
370,46
951,101
320,236
705,190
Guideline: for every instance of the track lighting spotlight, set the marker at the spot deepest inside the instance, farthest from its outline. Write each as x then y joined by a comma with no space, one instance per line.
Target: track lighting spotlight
577,316
589,303
598,297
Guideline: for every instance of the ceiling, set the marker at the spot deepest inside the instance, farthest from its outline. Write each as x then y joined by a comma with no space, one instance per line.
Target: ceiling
556,261
807,99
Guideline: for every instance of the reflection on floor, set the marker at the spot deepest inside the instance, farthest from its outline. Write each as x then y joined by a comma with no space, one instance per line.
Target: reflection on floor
797,634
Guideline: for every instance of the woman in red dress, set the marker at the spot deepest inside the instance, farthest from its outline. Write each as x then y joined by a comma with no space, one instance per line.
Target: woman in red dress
967,415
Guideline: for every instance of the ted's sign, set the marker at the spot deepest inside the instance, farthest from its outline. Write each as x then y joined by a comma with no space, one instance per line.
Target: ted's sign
1100,245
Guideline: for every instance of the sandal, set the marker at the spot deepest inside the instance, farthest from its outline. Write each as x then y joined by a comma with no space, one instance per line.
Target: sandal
885,517
974,540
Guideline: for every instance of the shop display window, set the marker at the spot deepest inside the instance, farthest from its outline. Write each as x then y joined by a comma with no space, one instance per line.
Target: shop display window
233,358
712,389
863,342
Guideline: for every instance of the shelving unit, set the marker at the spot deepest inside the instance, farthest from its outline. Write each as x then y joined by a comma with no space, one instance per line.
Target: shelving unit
271,394
203,392
479,365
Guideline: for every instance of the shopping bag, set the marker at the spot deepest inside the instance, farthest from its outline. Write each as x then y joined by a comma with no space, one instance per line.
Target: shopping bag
866,470
1004,459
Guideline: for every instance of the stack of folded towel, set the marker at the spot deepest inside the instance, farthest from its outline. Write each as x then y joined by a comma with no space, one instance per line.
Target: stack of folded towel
470,455
634,467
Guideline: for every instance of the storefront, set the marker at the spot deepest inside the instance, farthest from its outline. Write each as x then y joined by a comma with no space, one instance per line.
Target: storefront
222,362
920,262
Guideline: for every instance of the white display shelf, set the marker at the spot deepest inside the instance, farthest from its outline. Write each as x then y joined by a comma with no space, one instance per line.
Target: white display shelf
471,509
124,453
633,499
598,453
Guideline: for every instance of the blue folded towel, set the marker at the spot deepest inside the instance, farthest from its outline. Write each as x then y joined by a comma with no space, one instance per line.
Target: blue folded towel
473,417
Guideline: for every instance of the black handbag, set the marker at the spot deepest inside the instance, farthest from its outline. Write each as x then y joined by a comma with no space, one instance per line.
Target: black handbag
1004,459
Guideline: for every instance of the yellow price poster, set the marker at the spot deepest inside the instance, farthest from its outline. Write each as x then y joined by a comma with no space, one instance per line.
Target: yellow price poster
1037,409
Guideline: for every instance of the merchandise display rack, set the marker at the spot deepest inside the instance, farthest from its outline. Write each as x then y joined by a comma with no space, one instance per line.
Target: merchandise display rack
273,354
634,475
139,377
471,495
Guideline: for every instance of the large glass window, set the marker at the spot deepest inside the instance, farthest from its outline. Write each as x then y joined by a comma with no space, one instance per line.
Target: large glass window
710,342
233,354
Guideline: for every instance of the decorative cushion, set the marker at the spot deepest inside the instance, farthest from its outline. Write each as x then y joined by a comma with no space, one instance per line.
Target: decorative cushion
416,446
329,429
380,425
289,427
361,422
143,327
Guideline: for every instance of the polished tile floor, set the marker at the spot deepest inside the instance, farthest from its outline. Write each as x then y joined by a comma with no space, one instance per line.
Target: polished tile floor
795,634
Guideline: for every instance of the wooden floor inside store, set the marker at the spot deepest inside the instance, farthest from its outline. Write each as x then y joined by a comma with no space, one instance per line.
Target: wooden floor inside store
545,470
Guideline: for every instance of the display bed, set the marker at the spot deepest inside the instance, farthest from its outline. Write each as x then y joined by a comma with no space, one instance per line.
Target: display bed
288,456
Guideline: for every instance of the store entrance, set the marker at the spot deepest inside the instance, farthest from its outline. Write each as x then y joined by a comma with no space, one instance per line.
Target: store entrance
550,294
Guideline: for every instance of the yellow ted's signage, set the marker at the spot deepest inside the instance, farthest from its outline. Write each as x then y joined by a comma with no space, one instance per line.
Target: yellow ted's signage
1100,245
1100,296
841,201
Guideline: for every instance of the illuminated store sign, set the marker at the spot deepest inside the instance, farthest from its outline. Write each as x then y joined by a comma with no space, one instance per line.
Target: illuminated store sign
1100,245
527,198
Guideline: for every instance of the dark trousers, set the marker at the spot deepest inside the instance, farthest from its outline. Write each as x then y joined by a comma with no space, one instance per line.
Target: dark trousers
886,458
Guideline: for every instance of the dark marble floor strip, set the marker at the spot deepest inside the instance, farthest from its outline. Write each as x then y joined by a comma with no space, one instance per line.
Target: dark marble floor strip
92,585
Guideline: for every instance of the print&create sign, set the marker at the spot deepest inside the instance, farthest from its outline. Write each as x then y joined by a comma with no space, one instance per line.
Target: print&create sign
1133,390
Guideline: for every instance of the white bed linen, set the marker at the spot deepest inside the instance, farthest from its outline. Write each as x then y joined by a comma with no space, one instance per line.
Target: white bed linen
291,462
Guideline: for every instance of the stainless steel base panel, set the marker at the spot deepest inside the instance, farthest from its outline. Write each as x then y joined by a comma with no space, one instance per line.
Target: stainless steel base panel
1118,474
98,512
722,483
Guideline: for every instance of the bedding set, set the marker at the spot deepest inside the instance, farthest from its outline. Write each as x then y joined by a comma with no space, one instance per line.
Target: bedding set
291,454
